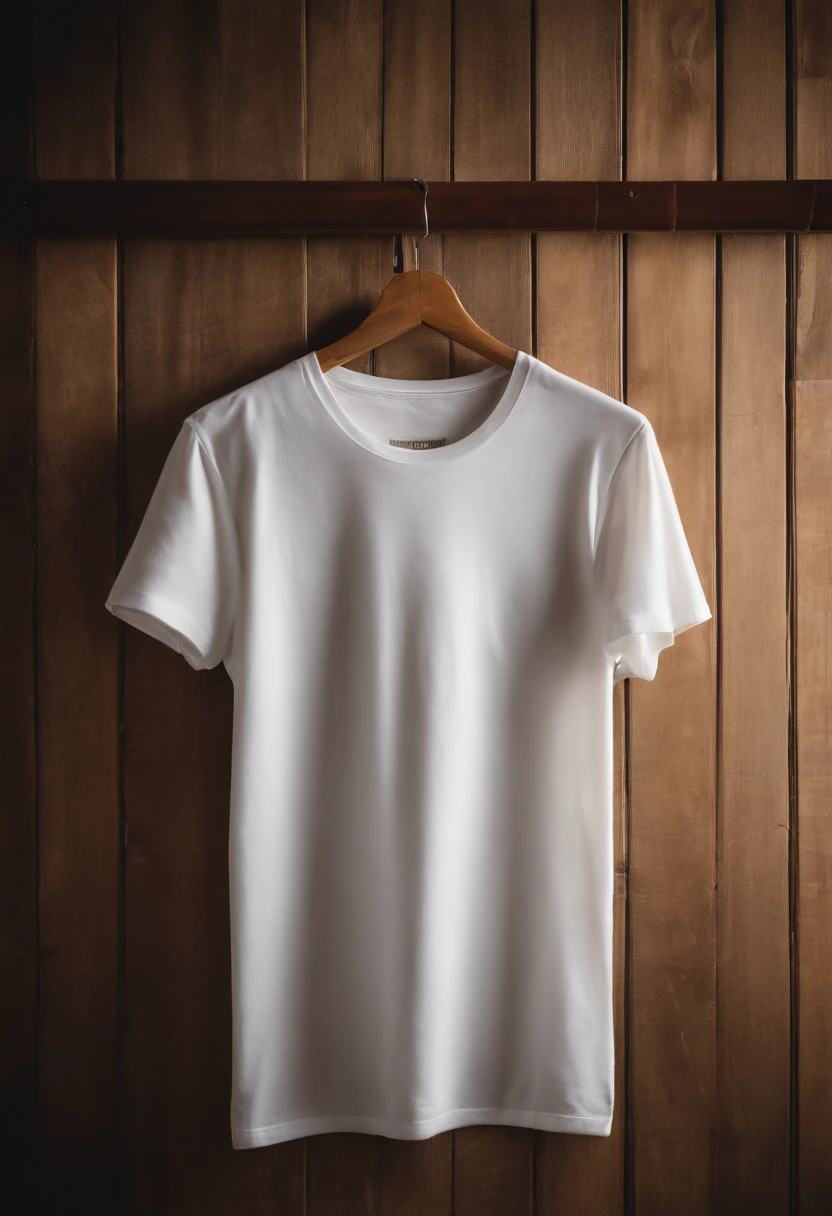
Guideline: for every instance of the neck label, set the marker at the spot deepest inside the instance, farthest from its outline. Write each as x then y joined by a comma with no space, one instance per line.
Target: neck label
418,443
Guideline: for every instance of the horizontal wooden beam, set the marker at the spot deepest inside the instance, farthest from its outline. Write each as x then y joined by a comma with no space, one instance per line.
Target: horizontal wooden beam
228,209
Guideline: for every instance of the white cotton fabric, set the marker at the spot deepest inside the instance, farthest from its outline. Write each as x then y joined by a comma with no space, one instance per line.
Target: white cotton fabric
423,644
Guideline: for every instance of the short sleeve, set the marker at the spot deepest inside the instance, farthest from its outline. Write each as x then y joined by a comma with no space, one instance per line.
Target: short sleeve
179,579
646,580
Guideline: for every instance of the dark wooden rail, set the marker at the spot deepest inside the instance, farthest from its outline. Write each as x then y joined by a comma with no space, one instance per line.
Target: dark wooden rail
208,208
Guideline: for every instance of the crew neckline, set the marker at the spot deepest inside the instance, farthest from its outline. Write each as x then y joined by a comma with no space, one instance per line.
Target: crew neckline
519,378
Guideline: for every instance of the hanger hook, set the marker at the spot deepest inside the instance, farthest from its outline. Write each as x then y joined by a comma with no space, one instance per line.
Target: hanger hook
424,186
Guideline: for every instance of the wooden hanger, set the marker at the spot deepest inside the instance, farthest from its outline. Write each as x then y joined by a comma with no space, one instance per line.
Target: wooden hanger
416,297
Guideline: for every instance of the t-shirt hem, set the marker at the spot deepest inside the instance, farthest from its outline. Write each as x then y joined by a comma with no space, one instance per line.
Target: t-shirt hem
421,1129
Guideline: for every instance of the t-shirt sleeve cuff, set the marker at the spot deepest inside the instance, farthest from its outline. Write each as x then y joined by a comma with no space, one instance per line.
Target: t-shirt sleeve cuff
164,620
636,642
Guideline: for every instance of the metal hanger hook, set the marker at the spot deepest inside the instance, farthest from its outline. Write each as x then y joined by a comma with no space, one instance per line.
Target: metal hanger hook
424,186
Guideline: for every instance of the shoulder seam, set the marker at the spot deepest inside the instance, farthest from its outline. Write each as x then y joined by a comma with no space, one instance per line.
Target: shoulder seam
602,513
213,464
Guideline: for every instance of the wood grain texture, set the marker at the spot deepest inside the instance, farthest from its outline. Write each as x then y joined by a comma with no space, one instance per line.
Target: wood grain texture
343,1173
579,331
18,723
209,94
813,624
673,752
671,91
753,949
78,720
213,91
19,1045
813,473
344,275
754,90
417,143
753,1008
76,403
671,378
416,1177
17,79
75,89
493,1166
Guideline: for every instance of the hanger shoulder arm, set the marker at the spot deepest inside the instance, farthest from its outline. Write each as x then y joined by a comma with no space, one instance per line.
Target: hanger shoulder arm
395,312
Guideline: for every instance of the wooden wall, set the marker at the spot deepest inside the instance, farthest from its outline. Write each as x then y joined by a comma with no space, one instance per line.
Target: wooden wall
116,1023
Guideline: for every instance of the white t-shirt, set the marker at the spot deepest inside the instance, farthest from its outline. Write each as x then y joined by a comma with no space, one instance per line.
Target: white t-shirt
423,642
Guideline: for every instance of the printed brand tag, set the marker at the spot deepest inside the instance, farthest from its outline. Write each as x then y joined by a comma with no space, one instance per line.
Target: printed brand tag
418,443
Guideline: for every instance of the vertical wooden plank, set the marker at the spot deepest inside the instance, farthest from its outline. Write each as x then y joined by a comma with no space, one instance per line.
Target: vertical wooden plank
416,1177
75,88
493,1166
671,99
343,277
417,143
344,58
77,521
214,91
813,492
813,613
577,137
76,395
18,836
753,966
17,92
208,93
753,91
18,823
